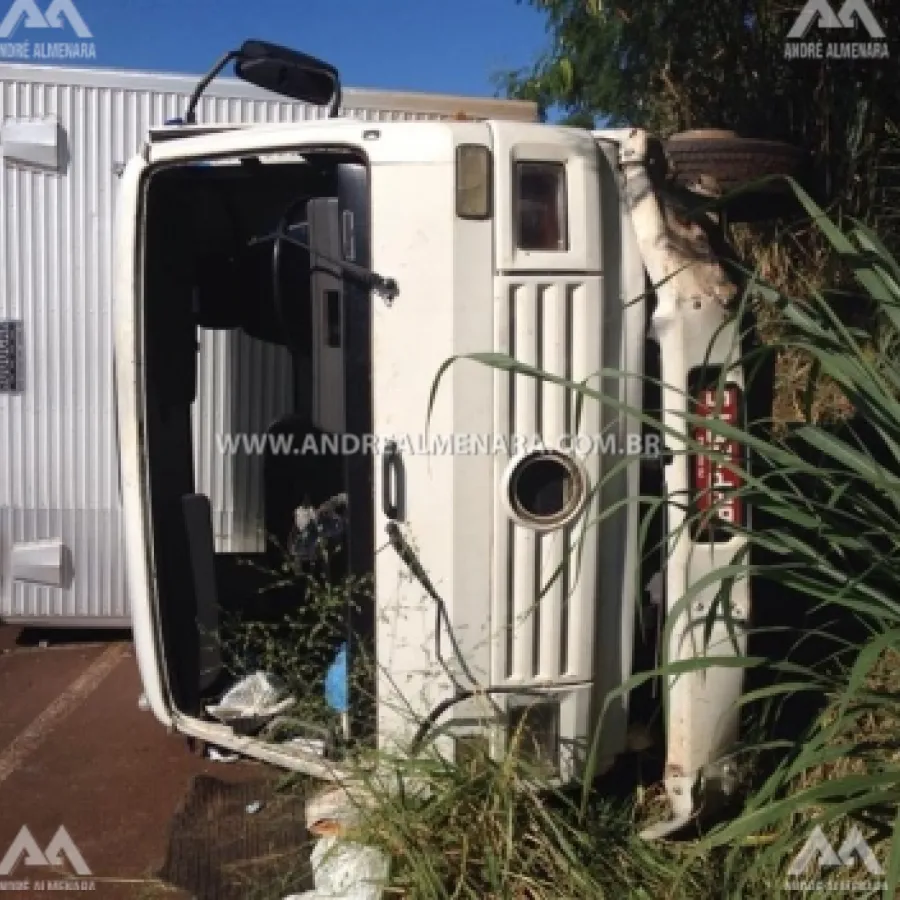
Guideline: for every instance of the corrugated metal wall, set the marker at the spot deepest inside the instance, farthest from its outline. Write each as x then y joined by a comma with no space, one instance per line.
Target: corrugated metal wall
58,466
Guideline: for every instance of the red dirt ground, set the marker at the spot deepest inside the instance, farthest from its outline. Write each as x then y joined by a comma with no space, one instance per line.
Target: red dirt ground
107,771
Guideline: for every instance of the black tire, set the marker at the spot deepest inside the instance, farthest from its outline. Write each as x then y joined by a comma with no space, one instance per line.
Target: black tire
730,161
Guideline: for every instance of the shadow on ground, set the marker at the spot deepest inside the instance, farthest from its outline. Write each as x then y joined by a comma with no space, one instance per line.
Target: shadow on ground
239,841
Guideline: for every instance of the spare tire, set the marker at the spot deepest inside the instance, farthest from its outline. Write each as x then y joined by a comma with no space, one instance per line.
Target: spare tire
730,160
717,162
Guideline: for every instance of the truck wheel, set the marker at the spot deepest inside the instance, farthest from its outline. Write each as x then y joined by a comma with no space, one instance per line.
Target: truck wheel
717,162
729,159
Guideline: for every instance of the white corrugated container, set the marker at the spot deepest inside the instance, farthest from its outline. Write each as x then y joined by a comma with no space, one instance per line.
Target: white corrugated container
58,465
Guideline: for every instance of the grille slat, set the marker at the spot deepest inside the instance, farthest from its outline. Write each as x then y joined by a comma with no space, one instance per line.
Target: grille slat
586,361
524,423
553,414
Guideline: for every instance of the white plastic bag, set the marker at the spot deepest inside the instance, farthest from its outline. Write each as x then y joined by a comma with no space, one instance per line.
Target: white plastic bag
258,697
343,870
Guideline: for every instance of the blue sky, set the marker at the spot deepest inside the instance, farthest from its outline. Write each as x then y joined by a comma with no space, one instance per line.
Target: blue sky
421,45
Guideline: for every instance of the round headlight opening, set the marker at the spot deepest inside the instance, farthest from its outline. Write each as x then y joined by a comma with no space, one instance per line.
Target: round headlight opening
545,490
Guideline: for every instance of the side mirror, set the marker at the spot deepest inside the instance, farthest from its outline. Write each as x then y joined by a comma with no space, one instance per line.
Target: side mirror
289,73
280,70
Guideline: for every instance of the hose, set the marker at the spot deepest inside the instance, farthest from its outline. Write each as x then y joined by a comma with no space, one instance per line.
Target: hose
408,557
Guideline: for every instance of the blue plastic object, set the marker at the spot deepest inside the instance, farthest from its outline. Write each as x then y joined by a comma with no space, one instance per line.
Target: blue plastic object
336,682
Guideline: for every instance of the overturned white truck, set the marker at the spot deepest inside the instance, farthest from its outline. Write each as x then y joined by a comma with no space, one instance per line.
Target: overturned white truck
375,253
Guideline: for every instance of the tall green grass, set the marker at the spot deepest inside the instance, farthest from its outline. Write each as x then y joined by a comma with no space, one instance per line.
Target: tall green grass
830,499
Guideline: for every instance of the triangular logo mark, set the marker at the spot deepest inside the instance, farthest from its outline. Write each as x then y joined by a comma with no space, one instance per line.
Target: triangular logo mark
855,847
818,848
28,9
24,845
821,14
60,850
58,13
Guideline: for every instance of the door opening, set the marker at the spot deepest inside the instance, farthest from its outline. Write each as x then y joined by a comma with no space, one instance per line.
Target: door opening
253,247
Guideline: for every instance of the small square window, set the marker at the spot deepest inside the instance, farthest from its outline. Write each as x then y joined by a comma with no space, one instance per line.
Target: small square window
473,181
541,207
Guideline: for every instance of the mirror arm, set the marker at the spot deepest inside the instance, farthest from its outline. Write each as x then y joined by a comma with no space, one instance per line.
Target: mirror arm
336,100
190,117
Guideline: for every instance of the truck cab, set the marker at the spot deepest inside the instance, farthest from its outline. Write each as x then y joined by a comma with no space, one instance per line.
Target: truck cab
389,274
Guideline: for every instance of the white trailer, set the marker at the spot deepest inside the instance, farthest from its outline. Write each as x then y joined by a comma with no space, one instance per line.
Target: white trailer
66,137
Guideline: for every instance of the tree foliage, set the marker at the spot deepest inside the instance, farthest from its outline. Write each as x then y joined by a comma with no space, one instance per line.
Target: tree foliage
671,66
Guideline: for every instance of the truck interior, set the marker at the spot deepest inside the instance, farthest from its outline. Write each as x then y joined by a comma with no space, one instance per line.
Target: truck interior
278,249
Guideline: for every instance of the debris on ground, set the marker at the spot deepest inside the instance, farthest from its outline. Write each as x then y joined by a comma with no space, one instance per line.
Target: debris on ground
301,736
217,755
254,808
333,812
253,702
343,870
312,746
